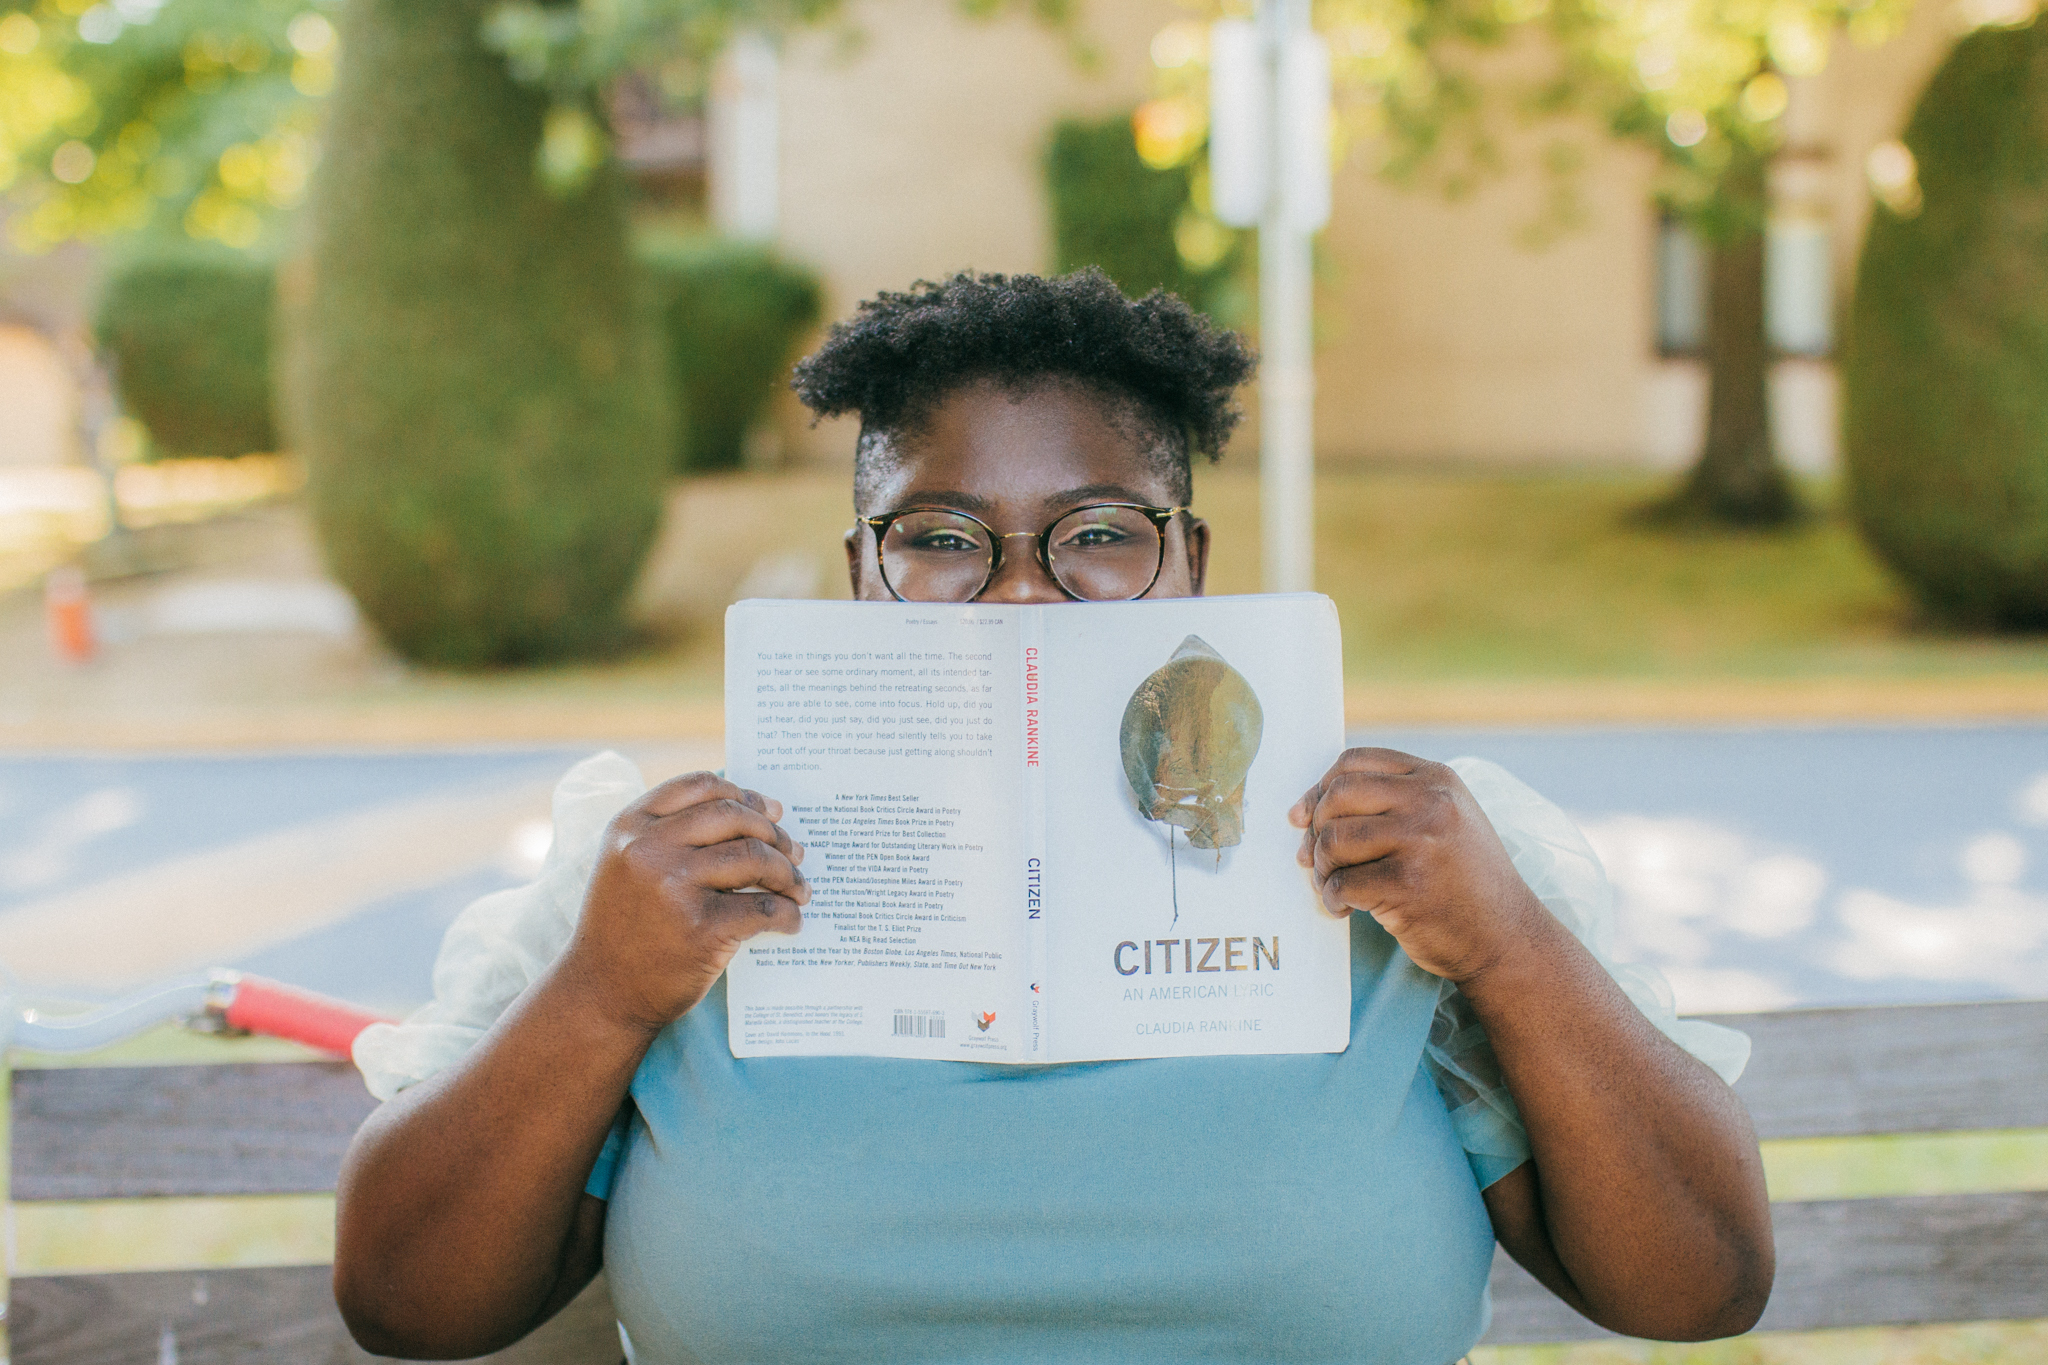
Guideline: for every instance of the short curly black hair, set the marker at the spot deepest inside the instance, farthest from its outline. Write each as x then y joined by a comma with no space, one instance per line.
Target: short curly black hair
1158,360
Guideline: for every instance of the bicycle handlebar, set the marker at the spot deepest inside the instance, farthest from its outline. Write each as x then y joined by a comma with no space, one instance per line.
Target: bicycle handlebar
280,1011
220,1001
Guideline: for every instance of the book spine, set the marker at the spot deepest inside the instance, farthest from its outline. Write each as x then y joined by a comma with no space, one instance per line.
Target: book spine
1035,906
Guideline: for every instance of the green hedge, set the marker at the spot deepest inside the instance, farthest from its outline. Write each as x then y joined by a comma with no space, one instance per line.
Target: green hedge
1110,209
731,315
1945,381
469,377
187,329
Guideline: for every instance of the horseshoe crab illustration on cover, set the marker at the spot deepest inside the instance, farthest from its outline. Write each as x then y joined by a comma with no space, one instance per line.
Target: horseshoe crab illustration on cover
1190,733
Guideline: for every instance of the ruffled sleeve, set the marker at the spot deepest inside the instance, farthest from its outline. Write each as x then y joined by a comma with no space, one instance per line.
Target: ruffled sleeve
1566,875
501,943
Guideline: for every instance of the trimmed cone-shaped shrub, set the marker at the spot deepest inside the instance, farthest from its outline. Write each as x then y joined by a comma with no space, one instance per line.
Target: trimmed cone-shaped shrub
731,314
187,329
1945,398
468,370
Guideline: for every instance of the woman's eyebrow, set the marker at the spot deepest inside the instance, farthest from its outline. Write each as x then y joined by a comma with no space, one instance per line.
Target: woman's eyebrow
952,498
1092,492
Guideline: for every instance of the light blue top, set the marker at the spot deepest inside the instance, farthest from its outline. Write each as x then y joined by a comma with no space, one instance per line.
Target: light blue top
1299,1208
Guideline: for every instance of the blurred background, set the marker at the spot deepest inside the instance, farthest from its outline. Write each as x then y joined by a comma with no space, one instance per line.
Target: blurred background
393,395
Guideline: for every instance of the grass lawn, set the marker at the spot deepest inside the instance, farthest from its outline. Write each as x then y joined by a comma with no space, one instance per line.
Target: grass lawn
1475,576
1976,1343
1543,575
1466,596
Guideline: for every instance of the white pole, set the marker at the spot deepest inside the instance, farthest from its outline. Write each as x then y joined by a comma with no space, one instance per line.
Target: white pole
1297,203
745,148
1287,395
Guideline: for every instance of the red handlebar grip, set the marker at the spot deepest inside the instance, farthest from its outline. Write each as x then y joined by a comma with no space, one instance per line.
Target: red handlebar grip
277,1011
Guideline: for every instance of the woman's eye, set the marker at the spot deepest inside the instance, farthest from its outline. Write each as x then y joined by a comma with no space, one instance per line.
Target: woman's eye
946,542
1093,538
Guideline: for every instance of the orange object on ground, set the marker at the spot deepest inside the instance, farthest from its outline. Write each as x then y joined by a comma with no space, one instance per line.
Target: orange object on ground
68,609
278,1011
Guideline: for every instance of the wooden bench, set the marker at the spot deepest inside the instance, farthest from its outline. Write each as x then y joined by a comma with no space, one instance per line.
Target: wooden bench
280,1128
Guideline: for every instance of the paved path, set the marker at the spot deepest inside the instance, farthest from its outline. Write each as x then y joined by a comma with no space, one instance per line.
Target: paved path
1772,867
1759,867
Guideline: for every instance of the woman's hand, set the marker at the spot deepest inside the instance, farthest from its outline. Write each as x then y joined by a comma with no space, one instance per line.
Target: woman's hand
462,1220
1402,839
1637,1145
687,874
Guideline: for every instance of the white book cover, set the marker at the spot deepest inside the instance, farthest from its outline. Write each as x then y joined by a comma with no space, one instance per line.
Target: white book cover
1041,833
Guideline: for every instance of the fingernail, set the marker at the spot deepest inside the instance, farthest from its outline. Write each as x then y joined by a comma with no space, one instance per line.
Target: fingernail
797,855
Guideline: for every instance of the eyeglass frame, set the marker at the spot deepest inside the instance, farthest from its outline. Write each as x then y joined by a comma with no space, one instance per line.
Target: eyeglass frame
1161,518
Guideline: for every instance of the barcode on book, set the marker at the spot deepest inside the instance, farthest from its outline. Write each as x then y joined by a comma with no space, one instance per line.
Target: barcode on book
920,1023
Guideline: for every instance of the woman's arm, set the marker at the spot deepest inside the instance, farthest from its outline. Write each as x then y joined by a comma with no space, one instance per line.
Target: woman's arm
1644,1205
462,1222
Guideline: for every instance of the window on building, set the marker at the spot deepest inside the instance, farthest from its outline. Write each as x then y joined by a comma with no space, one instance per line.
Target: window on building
1681,290
1799,305
1799,294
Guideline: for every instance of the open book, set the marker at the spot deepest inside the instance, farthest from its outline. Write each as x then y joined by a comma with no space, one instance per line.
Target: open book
1040,833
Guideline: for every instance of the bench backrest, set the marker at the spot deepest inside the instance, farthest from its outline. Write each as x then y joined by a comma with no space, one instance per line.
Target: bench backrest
1868,1262
281,1128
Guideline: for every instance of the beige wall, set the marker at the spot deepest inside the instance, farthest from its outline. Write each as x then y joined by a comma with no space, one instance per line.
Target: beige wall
918,155
1443,338
1446,338
36,401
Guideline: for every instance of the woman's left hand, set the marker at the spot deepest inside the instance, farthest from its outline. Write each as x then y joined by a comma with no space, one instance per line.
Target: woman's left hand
1401,839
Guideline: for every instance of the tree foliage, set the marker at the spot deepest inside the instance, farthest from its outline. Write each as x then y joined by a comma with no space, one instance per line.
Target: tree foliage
186,329
191,115
123,114
731,316
1945,392
574,51
1431,90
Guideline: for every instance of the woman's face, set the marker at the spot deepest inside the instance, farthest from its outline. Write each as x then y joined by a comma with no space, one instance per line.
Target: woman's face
1019,462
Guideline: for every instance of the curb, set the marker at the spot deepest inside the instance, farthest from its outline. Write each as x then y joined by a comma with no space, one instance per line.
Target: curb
1982,700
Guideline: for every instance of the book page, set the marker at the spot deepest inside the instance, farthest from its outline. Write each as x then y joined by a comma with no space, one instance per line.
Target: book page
891,734
1191,930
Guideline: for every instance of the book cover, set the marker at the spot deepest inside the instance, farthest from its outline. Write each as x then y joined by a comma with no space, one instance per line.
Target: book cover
1041,833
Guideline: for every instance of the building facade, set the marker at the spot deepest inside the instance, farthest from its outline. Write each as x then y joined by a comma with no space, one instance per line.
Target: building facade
908,146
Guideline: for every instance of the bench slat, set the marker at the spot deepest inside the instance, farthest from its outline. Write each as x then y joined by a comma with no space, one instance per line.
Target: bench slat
129,1132
1896,1069
1841,1263
1855,1263
279,1316
281,1128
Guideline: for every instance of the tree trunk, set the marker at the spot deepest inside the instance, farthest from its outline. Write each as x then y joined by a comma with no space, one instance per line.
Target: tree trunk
1738,480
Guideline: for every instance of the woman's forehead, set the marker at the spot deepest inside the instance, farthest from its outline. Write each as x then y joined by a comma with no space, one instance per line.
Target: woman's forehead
1007,448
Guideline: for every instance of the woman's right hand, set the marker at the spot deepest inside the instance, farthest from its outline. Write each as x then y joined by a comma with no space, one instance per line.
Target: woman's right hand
685,875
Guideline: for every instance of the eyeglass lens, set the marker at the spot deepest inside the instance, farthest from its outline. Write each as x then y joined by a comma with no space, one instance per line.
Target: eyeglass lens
1099,554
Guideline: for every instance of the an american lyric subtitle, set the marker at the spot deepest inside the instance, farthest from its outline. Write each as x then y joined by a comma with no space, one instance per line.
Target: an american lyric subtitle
1040,833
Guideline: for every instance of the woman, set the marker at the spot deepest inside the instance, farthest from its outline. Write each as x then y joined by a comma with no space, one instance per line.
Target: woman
571,1099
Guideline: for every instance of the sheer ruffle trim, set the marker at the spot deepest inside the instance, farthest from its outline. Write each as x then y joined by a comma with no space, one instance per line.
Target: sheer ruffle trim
501,943
1566,875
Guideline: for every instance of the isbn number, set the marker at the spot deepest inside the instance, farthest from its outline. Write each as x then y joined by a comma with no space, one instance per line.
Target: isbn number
920,1024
